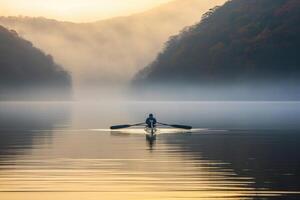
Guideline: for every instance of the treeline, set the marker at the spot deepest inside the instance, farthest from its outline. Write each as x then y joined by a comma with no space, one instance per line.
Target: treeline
241,42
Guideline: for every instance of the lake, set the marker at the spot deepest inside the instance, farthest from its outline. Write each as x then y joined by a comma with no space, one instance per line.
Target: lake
236,151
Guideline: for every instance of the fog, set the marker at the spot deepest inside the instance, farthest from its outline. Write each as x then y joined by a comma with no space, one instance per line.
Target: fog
36,93
267,91
109,52
254,91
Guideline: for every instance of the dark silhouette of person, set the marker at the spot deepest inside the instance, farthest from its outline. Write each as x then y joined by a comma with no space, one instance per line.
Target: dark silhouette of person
151,121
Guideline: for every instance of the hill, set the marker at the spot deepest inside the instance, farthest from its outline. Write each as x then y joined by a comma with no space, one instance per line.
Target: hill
242,43
28,73
113,50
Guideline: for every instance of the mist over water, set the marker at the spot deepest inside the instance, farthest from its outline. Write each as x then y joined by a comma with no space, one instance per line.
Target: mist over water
59,150
219,91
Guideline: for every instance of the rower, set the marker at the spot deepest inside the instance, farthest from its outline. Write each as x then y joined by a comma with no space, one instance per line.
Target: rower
151,121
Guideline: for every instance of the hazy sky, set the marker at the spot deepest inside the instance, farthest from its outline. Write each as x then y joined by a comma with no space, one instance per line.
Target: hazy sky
75,10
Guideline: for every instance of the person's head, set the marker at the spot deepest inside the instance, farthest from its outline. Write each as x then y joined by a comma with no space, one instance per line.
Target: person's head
151,115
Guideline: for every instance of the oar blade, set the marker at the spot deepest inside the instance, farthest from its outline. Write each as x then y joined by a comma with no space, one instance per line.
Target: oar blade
182,126
119,127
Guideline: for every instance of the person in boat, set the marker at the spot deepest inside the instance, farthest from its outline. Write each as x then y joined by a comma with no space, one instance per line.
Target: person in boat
151,121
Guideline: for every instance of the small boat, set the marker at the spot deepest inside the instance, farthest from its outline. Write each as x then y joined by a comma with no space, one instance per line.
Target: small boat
151,132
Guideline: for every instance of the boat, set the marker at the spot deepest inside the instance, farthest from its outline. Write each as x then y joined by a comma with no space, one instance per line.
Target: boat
150,132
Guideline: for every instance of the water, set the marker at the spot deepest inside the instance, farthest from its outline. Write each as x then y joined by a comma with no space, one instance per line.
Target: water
238,150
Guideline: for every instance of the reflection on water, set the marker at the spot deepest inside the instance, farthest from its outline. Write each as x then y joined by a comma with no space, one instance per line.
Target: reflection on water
238,151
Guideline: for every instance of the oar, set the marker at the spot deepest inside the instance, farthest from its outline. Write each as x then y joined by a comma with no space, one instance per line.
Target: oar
125,126
177,126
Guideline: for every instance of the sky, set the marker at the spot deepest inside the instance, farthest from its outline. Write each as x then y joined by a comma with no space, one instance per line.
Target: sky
75,10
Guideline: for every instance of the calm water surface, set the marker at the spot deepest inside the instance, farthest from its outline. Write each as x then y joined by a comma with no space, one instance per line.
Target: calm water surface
238,150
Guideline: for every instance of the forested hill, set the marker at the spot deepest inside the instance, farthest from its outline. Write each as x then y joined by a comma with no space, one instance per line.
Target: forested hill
26,71
243,41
